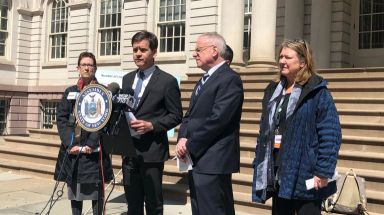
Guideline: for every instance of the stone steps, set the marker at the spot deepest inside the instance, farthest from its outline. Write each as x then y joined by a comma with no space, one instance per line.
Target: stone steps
241,181
29,143
242,185
365,121
50,134
347,85
45,152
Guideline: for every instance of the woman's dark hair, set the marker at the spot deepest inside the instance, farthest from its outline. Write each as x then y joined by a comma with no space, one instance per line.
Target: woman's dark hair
87,54
145,35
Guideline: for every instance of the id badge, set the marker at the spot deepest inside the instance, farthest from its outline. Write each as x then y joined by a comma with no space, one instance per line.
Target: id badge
277,141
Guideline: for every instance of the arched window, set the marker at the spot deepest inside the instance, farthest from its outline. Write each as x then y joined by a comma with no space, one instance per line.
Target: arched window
59,29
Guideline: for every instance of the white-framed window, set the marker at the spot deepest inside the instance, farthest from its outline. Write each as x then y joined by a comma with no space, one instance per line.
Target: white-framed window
49,109
58,29
3,26
247,28
171,25
371,24
110,27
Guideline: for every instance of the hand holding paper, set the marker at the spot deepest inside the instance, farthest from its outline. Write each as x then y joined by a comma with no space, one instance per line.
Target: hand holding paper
185,164
129,116
310,183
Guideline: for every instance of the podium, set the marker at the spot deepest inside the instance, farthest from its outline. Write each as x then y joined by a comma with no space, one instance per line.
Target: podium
121,143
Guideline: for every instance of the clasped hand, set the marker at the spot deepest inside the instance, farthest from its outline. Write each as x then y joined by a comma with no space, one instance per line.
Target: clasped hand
77,149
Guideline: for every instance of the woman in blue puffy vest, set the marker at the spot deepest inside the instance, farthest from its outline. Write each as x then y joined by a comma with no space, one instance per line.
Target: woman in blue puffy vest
300,136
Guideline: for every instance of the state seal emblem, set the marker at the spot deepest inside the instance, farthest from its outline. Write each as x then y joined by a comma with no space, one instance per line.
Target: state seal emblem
93,107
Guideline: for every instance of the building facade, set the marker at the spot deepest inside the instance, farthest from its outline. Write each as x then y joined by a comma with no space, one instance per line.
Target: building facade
40,41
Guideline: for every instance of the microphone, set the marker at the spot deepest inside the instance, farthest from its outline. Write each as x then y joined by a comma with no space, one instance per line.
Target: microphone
122,101
122,96
114,88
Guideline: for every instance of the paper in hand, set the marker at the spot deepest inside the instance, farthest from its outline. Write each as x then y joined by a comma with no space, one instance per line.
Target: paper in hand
129,116
185,164
310,183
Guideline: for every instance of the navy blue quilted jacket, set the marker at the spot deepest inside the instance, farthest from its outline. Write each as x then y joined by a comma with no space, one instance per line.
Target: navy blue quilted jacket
310,144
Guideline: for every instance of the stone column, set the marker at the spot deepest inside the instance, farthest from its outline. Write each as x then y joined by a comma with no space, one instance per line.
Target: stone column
232,28
294,19
321,32
263,34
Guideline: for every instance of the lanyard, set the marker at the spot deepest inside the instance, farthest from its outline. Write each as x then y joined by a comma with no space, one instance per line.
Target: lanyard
278,112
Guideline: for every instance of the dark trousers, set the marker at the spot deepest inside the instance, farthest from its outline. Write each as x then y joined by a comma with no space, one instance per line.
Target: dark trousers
143,183
281,206
77,207
211,194
97,205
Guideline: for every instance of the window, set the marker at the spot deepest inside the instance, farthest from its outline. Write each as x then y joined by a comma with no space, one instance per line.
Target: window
4,108
3,26
49,109
172,25
247,28
59,28
371,24
109,31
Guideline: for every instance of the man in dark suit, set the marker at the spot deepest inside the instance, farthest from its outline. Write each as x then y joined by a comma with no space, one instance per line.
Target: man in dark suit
210,129
158,110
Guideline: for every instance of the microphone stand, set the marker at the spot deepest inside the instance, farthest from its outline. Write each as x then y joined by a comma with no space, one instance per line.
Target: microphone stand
115,128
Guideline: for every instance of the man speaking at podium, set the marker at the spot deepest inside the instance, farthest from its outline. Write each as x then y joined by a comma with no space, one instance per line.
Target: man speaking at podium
158,109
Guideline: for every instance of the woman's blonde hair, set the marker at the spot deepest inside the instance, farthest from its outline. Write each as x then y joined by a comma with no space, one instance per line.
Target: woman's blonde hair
304,53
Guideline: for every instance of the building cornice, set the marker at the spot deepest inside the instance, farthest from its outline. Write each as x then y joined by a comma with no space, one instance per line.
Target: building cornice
33,89
29,12
79,4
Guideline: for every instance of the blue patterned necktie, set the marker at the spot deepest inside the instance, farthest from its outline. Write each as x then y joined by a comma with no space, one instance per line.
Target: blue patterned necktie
201,83
139,85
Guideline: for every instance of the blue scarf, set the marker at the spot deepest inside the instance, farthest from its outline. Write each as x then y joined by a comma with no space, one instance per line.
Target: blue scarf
262,168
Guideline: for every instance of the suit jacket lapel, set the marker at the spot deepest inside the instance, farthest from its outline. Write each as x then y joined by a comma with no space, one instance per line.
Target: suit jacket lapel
193,99
148,88
130,79
211,79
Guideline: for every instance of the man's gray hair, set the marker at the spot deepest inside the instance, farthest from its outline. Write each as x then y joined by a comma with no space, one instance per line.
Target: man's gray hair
216,40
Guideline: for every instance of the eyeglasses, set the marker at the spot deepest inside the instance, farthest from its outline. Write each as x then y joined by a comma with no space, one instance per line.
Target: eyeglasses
201,49
87,65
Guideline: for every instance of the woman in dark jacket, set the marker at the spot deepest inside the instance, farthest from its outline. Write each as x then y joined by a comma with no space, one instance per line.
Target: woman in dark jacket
300,136
81,153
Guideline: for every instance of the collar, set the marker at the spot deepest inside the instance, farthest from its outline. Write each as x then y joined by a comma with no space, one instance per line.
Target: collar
213,69
149,71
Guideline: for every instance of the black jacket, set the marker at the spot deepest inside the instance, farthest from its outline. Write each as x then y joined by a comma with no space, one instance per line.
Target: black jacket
161,105
85,167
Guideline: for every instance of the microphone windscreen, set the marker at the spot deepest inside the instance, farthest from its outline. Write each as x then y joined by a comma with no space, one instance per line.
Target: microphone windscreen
114,87
127,91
